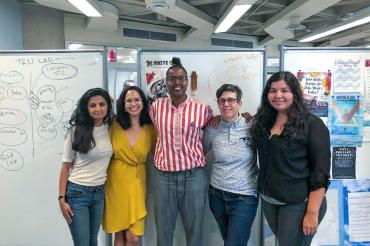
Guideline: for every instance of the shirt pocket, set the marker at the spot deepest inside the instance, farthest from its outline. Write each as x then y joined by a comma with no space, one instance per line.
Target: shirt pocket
246,139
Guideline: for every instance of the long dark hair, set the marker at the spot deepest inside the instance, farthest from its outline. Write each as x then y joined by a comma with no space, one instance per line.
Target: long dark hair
123,116
266,114
83,140
176,63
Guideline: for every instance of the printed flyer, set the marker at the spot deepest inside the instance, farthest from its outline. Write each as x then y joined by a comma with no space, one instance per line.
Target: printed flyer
347,76
367,93
346,120
316,88
344,162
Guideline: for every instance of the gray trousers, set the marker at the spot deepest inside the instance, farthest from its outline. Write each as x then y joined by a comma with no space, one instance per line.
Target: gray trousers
183,192
286,222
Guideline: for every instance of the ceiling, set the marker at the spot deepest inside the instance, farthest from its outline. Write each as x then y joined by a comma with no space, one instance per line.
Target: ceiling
271,21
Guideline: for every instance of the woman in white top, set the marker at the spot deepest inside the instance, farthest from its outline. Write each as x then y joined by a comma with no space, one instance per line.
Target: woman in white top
87,152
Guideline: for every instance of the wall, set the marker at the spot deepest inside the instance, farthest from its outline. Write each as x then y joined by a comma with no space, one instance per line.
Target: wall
10,25
43,27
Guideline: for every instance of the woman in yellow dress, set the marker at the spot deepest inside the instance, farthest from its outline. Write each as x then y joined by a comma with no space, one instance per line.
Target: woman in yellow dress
133,136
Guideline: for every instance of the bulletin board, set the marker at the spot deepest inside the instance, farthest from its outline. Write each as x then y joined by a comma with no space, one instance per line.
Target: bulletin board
336,85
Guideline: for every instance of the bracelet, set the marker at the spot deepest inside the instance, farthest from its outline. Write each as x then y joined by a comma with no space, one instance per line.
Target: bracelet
61,197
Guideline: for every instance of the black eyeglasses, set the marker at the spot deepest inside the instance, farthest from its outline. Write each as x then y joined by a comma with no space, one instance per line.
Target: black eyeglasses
229,100
179,78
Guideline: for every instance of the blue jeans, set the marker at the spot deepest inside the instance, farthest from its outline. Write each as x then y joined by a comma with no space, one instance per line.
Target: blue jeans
286,222
234,214
183,192
87,204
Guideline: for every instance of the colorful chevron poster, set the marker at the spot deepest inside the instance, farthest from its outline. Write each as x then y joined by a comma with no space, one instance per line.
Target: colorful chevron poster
367,93
316,90
345,120
347,76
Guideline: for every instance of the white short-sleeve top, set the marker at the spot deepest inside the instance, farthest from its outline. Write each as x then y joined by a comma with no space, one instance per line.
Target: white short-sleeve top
89,169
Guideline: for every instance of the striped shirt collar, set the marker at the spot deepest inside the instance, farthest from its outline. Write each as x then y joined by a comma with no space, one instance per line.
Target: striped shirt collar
181,105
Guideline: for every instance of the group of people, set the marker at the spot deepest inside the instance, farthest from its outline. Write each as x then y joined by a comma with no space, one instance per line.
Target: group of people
103,175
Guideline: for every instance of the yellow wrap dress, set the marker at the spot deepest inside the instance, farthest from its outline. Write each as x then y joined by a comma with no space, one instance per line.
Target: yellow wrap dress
125,187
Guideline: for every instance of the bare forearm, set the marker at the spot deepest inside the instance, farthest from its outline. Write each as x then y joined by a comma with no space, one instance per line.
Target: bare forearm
311,218
63,178
314,201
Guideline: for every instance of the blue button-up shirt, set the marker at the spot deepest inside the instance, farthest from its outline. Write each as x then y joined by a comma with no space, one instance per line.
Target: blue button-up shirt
234,168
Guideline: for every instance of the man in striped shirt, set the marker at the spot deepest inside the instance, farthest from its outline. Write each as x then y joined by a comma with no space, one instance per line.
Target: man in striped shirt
179,176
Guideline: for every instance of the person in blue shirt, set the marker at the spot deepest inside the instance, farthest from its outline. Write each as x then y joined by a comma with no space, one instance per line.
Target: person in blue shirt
233,195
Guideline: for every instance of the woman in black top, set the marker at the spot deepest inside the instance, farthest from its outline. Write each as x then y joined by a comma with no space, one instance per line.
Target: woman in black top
294,157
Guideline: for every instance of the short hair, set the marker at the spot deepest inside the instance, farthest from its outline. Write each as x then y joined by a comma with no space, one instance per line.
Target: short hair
123,116
229,87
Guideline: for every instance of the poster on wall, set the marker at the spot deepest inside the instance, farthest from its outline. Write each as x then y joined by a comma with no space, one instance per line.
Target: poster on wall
356,212
316,90
367,94
155,77
344,162
347,76
345,120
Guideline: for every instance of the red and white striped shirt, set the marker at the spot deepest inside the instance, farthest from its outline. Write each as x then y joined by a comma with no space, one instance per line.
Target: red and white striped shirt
179,143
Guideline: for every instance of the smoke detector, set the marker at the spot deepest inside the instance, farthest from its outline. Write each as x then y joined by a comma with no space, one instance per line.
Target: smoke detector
159,5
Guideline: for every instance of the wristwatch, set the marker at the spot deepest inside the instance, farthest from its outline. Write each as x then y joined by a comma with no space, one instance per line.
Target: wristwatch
61,197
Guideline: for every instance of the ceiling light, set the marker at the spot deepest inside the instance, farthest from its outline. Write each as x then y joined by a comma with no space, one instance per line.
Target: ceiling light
337,29
74,46
88,7
235,11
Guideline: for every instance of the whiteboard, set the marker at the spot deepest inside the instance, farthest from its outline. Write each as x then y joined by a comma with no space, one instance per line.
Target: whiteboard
38,92
322,60
213,68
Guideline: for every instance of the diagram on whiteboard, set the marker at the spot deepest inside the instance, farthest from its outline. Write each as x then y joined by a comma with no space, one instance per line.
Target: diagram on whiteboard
36,102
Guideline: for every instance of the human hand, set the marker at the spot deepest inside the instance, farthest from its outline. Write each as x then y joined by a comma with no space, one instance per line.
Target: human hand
66,211
215,121
247,117
310,224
